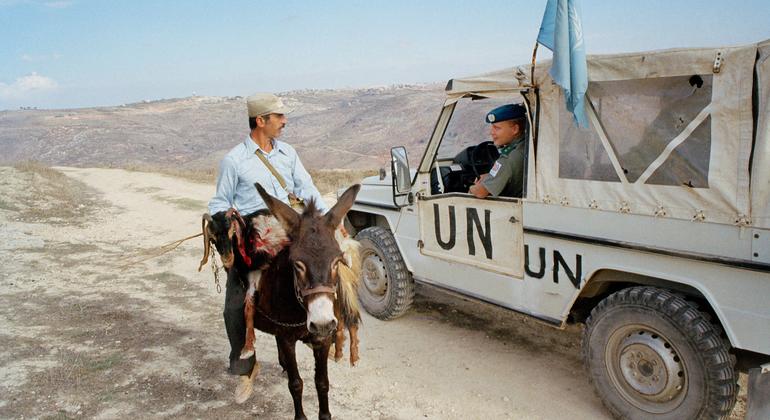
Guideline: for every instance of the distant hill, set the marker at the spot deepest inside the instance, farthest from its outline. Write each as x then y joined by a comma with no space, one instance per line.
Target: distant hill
352,128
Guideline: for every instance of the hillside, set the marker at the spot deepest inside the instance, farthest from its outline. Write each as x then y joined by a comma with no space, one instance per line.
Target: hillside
352,128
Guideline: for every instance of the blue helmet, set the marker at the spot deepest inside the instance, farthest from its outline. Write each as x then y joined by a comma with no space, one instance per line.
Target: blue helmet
506,112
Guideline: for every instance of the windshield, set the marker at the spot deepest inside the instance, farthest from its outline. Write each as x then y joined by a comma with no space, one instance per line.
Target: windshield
468,126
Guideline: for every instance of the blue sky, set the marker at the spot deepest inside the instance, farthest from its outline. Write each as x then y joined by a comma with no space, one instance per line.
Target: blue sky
75,53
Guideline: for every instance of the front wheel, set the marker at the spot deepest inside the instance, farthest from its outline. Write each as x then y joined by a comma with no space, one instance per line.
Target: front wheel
652,355
386,289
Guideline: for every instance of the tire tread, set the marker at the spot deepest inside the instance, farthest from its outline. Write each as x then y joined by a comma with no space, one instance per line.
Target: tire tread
400,282
706,337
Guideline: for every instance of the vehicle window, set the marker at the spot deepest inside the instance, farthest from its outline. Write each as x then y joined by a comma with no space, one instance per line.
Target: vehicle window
468,126
640,118
581,153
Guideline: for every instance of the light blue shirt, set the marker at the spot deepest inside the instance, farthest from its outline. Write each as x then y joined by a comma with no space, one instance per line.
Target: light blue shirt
241,168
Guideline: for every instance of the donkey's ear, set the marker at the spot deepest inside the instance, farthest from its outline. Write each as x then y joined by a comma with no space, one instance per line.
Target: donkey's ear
335,215
285,214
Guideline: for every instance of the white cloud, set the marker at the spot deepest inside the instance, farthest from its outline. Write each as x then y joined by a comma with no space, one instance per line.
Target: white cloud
27,85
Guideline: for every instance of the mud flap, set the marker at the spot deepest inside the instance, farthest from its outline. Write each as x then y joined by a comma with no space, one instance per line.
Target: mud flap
758,407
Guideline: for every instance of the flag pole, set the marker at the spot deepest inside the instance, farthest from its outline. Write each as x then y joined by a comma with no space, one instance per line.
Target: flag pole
532,67
536,117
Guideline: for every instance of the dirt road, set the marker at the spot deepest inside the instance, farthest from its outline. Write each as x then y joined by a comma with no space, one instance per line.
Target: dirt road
82,336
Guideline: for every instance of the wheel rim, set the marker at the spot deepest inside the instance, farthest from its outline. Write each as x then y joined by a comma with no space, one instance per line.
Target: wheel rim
374,274
646,369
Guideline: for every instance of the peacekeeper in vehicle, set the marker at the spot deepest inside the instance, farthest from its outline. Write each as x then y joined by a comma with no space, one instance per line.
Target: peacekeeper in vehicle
506,177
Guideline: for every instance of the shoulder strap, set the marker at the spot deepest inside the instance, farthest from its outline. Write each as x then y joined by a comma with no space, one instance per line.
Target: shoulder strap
271,168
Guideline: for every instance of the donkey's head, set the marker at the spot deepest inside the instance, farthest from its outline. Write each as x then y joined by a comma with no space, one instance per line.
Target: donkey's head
315,255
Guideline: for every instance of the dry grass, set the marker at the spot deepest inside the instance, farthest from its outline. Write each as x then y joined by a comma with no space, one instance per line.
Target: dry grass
326,180
33,166
52,197
330,180
203,176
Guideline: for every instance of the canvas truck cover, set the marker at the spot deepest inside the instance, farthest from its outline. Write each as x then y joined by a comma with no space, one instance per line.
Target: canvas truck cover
760,180
670,135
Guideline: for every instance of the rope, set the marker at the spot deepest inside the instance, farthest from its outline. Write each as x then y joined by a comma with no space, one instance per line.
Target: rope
157,252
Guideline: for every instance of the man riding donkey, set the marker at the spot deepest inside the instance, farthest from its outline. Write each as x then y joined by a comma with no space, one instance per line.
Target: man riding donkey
236,208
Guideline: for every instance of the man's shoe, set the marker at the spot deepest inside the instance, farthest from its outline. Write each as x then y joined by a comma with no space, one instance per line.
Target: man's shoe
246,385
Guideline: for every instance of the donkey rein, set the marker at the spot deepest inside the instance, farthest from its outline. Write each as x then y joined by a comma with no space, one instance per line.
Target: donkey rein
279,323
161,250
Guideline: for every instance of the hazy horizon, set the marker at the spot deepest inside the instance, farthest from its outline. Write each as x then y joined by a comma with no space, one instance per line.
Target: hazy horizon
84,53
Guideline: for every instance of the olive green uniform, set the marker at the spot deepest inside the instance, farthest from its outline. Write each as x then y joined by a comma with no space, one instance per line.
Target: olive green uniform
506,177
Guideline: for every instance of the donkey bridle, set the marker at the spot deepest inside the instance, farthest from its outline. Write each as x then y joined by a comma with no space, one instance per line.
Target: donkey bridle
301,293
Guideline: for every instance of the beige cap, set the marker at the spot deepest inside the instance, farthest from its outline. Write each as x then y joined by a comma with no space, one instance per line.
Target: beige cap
265,103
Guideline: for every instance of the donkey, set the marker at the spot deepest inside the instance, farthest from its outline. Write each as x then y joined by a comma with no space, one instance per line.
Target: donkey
266,238
296,299
250,244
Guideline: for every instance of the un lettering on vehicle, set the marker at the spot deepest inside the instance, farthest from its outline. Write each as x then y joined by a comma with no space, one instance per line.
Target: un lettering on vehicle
553,265
483,233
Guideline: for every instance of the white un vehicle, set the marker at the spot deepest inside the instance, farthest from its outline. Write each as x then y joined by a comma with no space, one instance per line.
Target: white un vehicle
652,226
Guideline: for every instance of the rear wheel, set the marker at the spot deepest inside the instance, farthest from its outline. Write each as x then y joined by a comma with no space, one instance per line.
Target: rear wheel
386,290
652,354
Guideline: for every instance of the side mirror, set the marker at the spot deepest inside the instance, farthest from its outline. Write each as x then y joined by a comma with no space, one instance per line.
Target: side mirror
399,165
399,169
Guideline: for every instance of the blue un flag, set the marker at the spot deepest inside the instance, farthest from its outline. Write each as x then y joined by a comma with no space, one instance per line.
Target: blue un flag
562,33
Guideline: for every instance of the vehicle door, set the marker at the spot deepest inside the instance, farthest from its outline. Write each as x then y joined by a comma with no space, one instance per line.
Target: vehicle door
484,233
471,245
